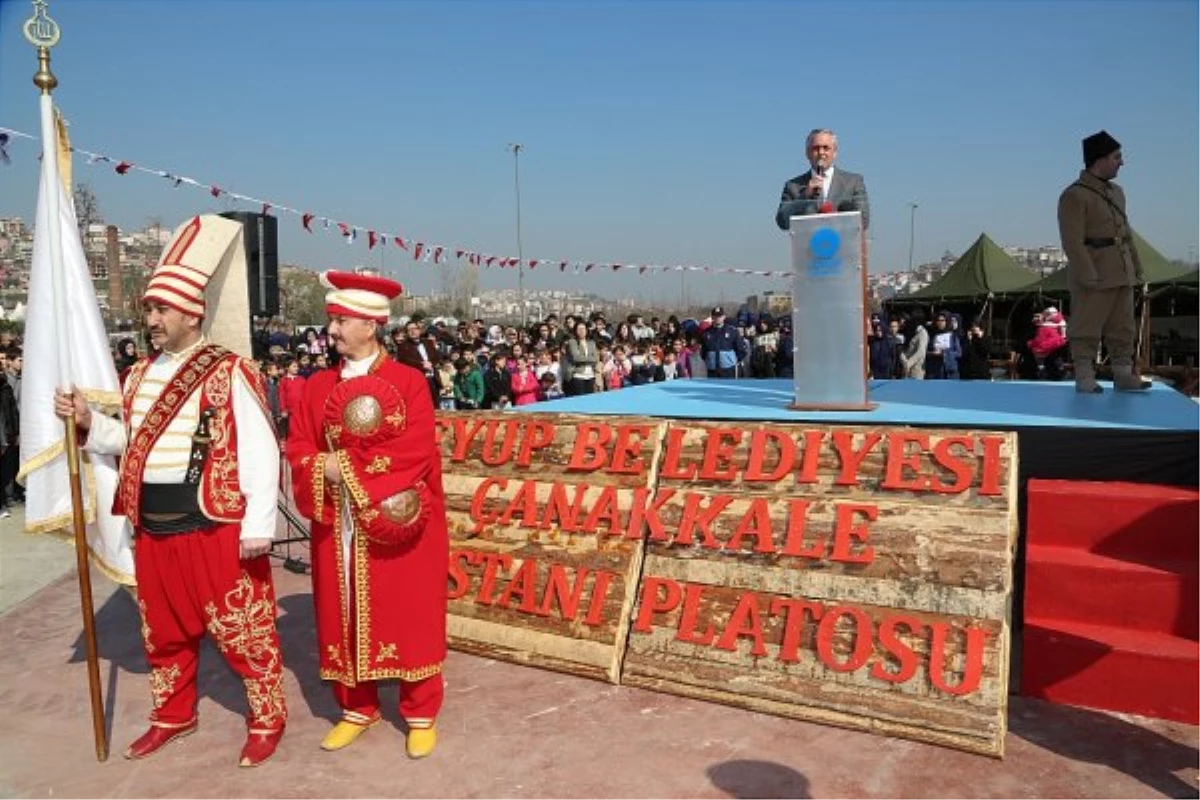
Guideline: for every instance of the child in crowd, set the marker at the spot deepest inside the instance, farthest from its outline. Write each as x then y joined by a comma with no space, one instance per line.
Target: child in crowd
1051,333
468,385
304,365
271,374
446,372
524,383
548,387
291,392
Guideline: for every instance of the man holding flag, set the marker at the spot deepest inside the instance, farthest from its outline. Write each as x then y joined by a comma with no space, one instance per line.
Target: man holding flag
199,482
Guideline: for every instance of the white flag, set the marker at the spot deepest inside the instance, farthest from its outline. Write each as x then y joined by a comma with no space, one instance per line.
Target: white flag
43,460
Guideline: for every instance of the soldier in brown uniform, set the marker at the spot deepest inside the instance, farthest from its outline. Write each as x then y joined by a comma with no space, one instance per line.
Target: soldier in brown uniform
1103,268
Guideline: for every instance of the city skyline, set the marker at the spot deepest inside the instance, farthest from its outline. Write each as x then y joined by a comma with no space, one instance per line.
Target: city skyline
667,147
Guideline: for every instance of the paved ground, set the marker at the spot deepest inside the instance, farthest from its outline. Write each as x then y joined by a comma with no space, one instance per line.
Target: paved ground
507,731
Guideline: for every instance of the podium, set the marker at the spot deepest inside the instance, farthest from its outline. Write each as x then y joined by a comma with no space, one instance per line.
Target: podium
828,315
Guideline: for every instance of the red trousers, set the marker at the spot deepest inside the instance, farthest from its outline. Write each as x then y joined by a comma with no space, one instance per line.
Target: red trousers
190,583
420,701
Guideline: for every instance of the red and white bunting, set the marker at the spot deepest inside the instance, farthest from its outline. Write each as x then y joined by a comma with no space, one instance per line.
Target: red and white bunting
421,251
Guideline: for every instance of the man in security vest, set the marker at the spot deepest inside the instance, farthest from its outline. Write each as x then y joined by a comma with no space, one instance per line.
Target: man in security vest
199,482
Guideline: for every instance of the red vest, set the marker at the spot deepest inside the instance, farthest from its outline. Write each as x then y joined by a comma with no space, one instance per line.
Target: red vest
211,370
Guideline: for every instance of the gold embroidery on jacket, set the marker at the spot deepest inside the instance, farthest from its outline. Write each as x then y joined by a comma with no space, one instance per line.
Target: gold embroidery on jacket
386,651
379,465
350,480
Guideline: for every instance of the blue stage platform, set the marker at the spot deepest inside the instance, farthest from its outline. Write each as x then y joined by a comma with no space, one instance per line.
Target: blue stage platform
1144,437
950,404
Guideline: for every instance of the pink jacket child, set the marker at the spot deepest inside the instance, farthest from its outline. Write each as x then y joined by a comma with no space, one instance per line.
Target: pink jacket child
524,385
1051,333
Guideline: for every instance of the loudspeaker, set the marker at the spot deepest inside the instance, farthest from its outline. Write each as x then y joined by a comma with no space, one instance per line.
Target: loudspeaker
261,239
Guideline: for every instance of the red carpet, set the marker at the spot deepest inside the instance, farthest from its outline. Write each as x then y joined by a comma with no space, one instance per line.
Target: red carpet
1111,593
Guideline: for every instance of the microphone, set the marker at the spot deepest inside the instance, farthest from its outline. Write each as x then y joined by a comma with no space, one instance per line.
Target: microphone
826,208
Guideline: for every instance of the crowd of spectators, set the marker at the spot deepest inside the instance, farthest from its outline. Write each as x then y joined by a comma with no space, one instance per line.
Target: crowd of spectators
476,365
11,364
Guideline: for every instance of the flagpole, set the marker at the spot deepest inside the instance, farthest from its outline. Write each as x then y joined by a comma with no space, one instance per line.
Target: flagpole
43,33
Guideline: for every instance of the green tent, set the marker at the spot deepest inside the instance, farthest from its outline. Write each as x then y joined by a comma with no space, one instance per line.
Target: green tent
1158,269
983,270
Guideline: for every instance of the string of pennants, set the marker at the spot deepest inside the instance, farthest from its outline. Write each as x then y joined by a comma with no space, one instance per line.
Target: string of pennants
419,250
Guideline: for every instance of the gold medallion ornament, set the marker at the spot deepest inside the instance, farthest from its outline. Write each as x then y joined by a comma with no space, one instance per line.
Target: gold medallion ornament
402,508
363,415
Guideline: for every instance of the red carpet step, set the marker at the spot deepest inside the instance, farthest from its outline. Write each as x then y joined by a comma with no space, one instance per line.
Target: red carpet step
1111,593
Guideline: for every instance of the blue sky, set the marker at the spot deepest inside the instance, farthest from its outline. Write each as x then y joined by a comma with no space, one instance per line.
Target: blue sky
654,132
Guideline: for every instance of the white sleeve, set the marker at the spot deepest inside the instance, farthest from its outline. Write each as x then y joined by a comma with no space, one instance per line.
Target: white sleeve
258,463
106,437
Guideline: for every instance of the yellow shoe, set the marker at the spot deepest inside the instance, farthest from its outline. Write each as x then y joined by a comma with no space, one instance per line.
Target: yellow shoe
421,741
347,731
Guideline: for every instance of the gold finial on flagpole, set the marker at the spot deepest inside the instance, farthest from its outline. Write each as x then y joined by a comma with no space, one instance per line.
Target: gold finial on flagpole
42,32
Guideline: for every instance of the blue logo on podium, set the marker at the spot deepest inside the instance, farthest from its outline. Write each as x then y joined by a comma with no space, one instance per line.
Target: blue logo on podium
824,245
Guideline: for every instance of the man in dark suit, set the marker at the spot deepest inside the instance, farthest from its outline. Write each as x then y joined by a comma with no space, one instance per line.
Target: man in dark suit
823,188
419,355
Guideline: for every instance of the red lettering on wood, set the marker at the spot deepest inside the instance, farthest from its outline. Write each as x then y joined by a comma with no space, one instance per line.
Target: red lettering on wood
627,452
755,522
797,522
846,531
524,504
861,632
899,459
538,434
812,457
973,659
492,563
695,516
494,454
465,430
687,620
523,586
756,471
606,509
478,514
894,647
460,581
671,468
718,454
850,458
963,468
793,610
561,593
989,484
645,513
589,453
745,621
558,510
600,586
653,601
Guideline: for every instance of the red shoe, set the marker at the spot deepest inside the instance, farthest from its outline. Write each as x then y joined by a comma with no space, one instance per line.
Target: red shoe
156,738
259,746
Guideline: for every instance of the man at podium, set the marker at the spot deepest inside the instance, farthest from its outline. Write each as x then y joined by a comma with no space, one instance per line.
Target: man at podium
824,188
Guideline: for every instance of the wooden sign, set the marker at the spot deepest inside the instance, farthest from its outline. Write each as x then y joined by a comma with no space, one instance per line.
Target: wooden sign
545,538
852,576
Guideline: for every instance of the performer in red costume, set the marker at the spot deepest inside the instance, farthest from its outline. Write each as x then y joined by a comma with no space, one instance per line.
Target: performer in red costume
367,471
199,483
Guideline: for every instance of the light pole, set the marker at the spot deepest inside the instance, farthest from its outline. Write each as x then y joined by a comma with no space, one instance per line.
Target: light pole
912,227
516,148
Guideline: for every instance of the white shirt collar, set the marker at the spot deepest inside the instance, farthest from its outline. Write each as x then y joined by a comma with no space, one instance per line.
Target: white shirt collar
352,368
826,179
184,353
